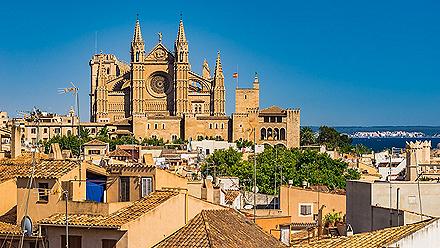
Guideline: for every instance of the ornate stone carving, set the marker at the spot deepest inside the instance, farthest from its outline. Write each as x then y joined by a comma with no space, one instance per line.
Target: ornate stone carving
159,84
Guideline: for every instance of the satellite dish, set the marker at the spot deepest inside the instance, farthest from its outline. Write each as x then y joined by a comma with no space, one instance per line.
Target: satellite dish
26,226
248,207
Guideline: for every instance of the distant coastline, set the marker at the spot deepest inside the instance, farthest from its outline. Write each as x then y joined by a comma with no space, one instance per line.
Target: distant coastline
379,138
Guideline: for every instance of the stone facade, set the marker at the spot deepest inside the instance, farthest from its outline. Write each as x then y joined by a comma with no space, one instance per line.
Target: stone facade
159,95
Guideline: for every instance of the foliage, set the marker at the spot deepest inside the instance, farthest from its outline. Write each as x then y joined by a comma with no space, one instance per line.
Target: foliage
75,143
362,149
307,136
243,143
179,141
296,165
152,142
332,139
332,218
200,138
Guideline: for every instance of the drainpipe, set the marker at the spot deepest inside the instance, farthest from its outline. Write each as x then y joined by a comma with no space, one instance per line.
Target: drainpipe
186,207
397,201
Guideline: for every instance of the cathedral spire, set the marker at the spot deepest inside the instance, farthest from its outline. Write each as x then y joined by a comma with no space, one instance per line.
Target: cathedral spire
137,37
218,66
206,72
137,45
181,38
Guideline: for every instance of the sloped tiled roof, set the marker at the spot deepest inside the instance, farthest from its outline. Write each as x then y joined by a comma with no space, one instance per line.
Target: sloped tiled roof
95,142
44,169
220,228
272,110
9,229
375,239
231,195
116,219
119,153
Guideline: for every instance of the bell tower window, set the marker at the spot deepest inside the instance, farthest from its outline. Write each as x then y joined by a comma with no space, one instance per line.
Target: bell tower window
137,56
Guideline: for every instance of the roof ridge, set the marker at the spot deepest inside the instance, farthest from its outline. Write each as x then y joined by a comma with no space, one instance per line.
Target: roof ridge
207,227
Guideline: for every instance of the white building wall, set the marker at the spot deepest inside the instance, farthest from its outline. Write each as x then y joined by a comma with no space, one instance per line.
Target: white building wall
426,238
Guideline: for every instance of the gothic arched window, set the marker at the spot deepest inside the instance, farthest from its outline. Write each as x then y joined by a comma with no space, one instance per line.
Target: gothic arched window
269,133
263,134
276,134
137,56
282,134
181,57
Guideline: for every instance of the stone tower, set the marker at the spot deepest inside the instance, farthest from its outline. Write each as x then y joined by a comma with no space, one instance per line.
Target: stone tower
219,89
137,77
181,68
418,152
101,94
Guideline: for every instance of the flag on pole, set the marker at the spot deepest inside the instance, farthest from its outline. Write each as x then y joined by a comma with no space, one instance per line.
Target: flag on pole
235,75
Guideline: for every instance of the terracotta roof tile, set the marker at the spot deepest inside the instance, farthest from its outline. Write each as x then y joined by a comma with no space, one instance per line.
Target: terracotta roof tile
273,110
95,142
231,195
116,219
220,228
375,239
43,169
6,228
119,153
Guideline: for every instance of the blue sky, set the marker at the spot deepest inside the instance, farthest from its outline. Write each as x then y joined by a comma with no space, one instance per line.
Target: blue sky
341,62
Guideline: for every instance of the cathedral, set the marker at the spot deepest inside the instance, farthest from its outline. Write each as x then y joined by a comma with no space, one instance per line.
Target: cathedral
158,95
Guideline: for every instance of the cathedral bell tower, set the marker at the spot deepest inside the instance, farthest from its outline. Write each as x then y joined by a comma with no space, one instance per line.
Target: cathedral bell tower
181,69
137,68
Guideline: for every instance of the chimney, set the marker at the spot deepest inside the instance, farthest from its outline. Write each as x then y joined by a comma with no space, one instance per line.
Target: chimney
16,139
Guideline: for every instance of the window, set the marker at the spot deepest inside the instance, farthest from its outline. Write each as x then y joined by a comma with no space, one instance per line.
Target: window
43,192
108,70
263,134
124,190
266,119
210,125
137,56
305,209
163,126
282,134
146,186
109,243
276,134
93,130
148,126
94,152
33,130
181,56
174,137
58,130
74,241
45,130
279,119
155,126
216,126
69,132
245,96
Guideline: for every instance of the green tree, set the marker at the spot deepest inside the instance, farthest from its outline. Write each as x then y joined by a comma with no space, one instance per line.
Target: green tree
296,165
332,139
152,142
243,143
307,136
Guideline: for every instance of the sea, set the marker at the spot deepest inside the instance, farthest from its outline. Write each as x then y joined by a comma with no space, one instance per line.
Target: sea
379,144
